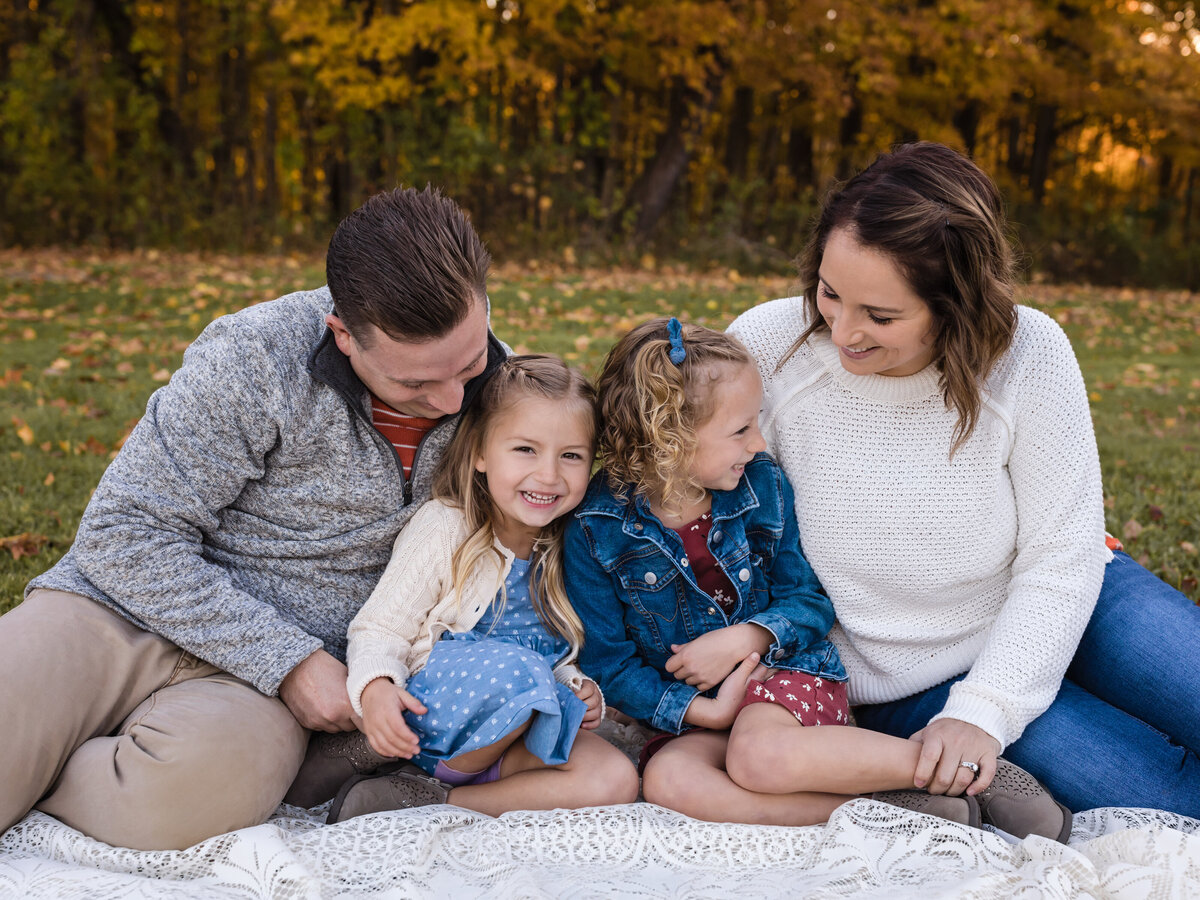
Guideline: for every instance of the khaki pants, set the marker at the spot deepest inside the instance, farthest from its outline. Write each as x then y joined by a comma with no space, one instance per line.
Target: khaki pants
121,734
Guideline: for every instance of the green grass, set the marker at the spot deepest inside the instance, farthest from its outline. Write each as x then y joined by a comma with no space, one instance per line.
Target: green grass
85,339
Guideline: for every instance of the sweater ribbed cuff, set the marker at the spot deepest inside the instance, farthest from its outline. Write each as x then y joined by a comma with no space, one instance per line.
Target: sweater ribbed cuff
367,670
975,710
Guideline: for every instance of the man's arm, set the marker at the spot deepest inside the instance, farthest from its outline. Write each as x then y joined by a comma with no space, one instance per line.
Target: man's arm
141,540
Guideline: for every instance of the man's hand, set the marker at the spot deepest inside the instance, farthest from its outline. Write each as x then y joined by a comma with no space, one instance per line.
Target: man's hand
706,661
383,706
315,692
589,693
945,745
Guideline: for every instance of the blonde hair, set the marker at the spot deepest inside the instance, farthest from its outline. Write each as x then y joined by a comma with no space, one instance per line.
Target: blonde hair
459,484
650,408
941,221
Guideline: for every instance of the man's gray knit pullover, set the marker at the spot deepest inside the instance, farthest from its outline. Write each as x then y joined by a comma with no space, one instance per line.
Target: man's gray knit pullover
254,506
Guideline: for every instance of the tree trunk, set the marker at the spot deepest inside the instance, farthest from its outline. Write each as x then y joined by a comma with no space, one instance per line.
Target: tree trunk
966,121
848,131
687,110
1044,137
800,155
737,140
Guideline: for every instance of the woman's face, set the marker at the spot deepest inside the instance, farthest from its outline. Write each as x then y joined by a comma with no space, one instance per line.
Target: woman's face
878,324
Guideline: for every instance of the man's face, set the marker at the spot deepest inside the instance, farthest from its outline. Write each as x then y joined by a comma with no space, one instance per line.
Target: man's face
418,378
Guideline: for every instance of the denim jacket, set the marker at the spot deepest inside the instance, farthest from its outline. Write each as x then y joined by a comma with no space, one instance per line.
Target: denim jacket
628,578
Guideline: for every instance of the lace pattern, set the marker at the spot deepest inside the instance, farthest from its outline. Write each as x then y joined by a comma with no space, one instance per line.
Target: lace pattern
867,849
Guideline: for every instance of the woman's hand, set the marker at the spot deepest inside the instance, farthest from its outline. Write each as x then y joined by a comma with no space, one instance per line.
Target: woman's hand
945,745
383,707
589,693
708,659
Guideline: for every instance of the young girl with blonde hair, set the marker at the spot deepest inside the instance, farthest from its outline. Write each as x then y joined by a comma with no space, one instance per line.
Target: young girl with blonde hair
462,660
703,618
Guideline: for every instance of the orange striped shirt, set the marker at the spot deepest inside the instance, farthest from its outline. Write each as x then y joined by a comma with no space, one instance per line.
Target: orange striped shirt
405,432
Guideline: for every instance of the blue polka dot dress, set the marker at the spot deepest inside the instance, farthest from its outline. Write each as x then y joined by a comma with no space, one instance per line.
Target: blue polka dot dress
482,684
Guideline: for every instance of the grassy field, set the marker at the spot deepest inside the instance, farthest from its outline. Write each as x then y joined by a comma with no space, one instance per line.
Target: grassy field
85,339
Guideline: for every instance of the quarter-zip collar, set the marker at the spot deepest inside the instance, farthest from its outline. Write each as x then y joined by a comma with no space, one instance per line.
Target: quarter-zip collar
331,367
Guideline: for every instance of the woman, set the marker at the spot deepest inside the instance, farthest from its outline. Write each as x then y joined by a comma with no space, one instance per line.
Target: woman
949,498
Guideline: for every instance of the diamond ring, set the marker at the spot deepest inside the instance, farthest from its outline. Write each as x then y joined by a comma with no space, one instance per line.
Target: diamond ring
974,767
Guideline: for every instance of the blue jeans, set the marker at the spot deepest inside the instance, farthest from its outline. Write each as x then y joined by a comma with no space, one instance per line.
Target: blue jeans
1124,729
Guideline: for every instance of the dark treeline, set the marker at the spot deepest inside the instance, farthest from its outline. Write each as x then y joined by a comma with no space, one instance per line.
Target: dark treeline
698,130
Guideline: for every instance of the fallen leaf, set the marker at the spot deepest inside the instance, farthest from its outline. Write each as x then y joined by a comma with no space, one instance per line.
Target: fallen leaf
1132,530
26,544
24,432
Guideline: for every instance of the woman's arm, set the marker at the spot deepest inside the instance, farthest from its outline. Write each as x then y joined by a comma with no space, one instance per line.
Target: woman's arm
1060,551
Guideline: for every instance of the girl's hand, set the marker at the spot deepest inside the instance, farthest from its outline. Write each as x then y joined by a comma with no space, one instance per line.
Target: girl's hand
589,693
719,712
945,745
708,659
383,707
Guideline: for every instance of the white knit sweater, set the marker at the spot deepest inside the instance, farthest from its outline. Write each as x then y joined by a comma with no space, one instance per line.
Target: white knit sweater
414,603
989,562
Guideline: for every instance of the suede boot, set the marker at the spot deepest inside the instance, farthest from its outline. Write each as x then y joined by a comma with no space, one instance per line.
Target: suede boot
963,810
1017,803
405,789
331,760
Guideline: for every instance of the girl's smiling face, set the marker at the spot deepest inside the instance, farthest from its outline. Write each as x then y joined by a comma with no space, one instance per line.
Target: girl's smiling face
537,458
878,324
730,437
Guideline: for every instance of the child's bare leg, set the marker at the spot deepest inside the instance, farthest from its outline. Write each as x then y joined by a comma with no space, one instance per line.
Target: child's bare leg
478,760
769,751
688,775
596,774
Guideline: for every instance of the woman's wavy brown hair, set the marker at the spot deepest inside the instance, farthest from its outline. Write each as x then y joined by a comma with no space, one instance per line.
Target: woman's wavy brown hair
650,407
941,221
459,484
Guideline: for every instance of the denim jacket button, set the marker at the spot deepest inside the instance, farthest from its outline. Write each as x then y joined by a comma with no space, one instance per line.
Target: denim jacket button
717,535
651,578
637,526
712,610
684,562
744,575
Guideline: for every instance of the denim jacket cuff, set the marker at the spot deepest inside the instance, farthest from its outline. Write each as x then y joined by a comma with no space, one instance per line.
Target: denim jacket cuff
783,632
668,715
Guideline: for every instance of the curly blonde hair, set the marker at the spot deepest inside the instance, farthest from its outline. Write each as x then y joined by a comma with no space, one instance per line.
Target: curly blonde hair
650,408
941,220
459,484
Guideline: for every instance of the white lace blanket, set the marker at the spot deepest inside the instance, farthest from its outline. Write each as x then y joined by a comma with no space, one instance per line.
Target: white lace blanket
866,850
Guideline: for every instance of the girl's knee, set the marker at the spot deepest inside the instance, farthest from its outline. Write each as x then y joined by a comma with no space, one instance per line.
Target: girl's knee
619,780
604,775
756,755
670,780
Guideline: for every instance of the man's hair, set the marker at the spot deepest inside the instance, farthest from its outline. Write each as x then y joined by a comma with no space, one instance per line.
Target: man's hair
407,262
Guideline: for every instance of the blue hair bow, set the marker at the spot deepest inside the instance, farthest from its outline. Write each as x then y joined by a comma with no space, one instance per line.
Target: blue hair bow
675,336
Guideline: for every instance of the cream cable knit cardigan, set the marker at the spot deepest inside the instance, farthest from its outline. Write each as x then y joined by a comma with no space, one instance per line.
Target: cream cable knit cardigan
990,561
414,603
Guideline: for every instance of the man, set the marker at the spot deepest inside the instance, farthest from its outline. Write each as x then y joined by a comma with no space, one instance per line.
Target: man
161,680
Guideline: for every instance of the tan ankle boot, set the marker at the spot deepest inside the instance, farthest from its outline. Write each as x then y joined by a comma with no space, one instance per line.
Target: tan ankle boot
331,760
